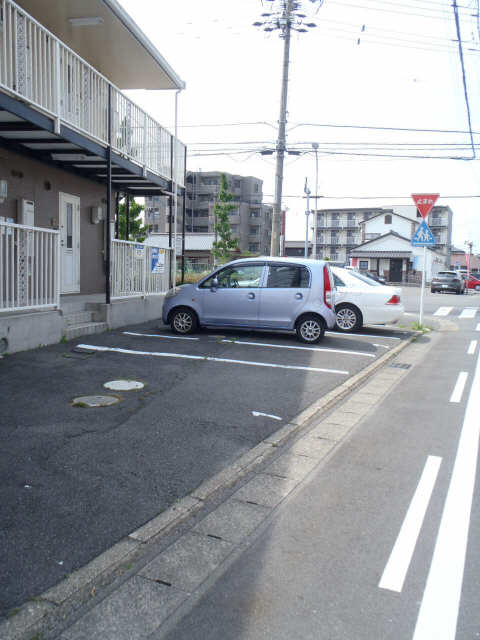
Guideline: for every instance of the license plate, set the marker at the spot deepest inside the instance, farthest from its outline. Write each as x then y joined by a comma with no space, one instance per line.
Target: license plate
445,286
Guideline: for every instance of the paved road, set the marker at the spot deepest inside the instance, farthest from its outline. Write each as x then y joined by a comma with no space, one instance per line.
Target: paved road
382,540
74,481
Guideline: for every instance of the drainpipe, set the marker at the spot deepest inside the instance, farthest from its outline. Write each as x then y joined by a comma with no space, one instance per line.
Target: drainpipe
184,209
175,192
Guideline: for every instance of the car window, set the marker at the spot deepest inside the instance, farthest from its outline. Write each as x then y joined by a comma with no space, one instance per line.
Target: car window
337,281
370,281
448,274
287,276
237,276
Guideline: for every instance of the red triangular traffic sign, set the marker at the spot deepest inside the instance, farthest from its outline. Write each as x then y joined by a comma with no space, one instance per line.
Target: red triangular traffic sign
425,202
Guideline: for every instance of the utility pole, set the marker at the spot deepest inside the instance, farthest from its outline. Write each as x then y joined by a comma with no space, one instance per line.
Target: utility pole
315,215
277,203
285,19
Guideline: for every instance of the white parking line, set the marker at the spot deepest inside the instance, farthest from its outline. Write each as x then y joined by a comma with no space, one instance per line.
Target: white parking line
287,346
211,359
157,335
265,415
468,313
441,599
397,566
472,348
477,328
443,311
384,346
459,387
358,335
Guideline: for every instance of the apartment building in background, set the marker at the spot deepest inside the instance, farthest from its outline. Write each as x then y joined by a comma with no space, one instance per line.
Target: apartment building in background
250,221
339,231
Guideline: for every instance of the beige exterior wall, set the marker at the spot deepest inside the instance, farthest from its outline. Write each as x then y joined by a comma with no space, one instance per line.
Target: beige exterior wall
33,180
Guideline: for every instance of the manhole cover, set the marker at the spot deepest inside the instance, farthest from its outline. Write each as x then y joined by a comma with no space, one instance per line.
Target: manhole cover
123,385
95,401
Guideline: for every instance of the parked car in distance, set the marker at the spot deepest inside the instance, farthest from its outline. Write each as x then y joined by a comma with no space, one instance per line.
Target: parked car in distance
447,281
276,294
360,300
473,282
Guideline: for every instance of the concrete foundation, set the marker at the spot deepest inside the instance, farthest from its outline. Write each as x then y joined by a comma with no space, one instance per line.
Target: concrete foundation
24,331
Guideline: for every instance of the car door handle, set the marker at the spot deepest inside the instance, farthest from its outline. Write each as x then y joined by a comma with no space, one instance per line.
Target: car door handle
251,296
298,296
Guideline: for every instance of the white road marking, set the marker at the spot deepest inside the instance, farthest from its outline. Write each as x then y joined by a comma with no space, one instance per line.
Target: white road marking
443,311
358,335
285,346
441,599
211,359
157,335
468,313
472,348
266,415
477,328
459,387
384,346
397,566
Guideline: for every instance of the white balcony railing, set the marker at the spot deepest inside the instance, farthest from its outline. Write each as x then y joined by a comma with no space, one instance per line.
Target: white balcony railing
29,267
39,68
136,272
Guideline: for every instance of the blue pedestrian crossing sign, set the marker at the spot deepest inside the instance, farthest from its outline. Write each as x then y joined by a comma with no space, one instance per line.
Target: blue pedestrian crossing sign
423,236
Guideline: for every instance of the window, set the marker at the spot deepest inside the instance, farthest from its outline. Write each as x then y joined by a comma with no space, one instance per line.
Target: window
253,247
256,188
236,184
363,264
337,281
288,276
388,219
253,231
246,276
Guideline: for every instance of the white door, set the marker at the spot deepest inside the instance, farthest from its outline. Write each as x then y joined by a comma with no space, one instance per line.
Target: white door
69,243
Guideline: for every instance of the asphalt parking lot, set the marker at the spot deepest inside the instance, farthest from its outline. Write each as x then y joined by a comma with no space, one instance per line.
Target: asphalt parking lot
76,480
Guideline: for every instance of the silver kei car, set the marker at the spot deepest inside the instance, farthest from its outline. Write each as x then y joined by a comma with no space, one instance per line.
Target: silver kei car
275,294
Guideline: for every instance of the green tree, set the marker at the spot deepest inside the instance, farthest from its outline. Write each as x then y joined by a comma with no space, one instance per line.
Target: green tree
136,229
225,245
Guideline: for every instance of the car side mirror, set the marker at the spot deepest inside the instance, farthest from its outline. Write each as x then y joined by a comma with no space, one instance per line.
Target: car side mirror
214,284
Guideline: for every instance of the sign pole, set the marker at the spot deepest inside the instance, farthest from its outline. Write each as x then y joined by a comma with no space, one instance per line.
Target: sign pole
423,235
423,285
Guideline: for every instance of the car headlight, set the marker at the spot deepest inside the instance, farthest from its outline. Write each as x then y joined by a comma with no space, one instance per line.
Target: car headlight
172,292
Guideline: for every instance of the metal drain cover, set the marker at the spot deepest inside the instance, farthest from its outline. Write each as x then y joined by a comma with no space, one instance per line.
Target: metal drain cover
95,401
400,365
124,385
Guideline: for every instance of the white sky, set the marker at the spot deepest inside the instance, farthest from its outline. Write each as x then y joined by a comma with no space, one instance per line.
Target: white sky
395,77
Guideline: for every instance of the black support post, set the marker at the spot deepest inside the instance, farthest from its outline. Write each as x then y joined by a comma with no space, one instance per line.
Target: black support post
184,211
127,217
108,239
117,214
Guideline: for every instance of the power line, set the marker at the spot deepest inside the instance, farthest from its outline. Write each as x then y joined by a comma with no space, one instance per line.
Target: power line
386,197
465,90
405,13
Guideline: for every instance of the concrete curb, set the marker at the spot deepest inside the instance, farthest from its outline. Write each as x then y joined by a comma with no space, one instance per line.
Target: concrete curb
57,602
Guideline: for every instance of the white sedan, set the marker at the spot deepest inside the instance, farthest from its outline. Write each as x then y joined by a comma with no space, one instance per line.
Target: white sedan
360,300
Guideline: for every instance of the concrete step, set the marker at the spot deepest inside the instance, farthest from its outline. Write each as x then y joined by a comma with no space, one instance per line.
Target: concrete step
83,329
78,317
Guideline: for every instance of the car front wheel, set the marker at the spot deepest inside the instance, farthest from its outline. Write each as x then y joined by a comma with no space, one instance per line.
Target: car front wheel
310,329
183,321
349,318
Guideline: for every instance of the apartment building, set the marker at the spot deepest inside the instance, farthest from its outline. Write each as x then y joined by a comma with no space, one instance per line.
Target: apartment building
340,230
250,221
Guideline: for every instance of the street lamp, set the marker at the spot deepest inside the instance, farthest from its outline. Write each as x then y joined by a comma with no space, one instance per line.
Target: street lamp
284,19
307,213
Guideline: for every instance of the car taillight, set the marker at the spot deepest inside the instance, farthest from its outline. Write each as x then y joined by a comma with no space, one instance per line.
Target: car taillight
327,288
394,300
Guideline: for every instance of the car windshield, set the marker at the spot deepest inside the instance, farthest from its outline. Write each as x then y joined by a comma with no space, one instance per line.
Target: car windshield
368,280
446,274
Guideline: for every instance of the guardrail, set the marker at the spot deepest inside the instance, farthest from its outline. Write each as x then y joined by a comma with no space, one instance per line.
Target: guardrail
139,269
37,66
29,267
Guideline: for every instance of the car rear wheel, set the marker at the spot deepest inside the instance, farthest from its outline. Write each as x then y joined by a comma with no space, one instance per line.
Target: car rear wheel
310,329
349,318
183,321
433,291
